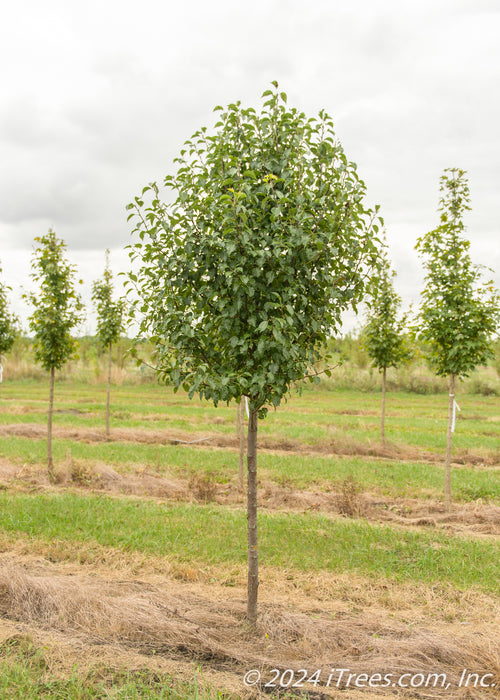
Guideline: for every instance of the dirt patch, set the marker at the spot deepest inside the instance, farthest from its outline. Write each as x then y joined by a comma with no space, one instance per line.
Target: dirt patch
180,622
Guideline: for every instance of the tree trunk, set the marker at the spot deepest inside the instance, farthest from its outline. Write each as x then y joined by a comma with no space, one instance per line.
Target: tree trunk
253,558
108,392
382,420
241,436
50,465
449,435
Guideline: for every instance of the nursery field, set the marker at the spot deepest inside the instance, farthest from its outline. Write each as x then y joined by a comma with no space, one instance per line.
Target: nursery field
127,578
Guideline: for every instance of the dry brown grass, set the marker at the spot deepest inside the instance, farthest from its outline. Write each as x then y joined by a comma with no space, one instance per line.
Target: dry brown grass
203,486
81,473
126,612
350,501
340,445
180,621
339,594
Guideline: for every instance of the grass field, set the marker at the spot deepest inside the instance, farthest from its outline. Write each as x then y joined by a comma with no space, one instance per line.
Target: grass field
127,577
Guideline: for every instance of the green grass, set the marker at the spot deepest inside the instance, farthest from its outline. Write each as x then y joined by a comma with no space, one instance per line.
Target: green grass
316,415
217,535
386,477
25,675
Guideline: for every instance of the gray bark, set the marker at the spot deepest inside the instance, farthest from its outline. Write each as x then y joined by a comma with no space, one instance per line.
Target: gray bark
241,437
108,392
382,422
253,558
449,436
50,464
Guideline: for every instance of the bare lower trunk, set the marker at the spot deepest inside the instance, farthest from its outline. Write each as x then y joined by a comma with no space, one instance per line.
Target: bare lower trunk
50,465
449,435
253,558
241,437
382,421
108,392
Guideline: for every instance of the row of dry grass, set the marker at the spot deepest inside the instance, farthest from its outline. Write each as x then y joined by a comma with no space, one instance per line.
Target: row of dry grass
120,600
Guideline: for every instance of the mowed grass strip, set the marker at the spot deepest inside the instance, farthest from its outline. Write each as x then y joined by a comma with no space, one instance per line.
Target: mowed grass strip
215,535
386,477
316,415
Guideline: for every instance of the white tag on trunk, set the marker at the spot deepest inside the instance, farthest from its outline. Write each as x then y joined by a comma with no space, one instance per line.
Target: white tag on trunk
455,408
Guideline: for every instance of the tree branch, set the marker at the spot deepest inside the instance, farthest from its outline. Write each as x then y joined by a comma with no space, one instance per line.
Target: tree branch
316,374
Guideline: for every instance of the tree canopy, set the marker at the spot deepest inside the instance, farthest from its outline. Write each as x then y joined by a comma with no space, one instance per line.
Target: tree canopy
9,323
251,253
459,313
110,312
384,332
57,306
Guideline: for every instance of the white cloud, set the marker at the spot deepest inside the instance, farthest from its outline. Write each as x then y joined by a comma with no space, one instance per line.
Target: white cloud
99,97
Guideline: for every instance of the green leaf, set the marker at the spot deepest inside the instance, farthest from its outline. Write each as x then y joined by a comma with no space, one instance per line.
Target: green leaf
252,254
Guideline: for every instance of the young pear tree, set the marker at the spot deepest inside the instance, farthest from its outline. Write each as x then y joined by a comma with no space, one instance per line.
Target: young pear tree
248,261
110,321
57,310
9,324
459,313
384,332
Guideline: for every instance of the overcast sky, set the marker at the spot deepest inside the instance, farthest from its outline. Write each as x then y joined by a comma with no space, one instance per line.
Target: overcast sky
97,99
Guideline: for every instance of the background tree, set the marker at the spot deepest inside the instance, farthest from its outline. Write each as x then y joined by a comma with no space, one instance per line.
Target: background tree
384,333
110,321
9,324
459,314
264,244
57,310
